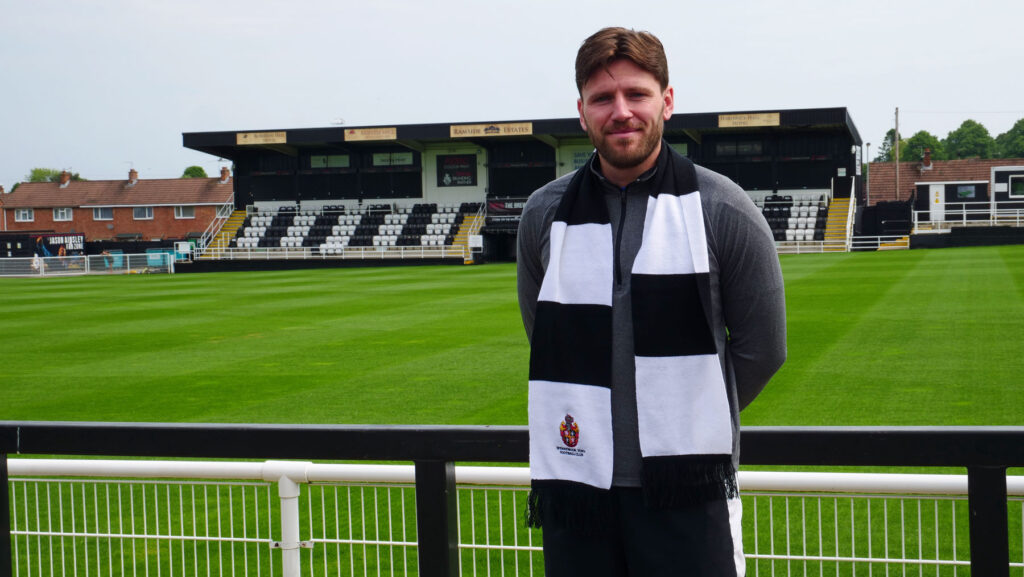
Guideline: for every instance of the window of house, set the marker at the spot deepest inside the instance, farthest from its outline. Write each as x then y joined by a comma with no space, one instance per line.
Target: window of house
62,214
184,212
103,213
142,213
1017,186
24,215
965,192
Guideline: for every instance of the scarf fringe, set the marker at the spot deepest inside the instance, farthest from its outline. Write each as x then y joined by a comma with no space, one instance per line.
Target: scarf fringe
685,481
582,508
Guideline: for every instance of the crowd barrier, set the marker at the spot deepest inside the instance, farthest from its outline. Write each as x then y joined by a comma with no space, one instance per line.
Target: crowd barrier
434,501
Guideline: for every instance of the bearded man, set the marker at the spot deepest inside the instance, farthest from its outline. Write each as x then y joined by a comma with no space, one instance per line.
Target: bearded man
652,296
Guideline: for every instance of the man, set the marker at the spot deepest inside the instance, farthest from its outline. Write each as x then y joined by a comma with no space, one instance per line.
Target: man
653,300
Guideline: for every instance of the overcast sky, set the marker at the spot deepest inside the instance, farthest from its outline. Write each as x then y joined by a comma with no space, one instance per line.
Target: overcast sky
98,87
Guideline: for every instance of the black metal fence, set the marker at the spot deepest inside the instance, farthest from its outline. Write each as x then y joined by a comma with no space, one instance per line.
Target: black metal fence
985,452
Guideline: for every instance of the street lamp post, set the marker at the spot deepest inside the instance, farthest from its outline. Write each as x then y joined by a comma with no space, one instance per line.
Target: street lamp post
867,178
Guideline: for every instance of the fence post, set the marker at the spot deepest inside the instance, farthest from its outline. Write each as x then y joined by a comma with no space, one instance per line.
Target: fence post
288,475
6,561
437,522
990,538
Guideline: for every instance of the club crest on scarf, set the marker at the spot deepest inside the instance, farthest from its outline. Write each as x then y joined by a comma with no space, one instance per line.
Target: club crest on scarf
570,431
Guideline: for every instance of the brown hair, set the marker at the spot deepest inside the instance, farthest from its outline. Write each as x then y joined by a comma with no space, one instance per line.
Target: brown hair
610,44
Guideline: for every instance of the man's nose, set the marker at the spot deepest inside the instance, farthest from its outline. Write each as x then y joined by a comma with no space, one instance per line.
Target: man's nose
620,108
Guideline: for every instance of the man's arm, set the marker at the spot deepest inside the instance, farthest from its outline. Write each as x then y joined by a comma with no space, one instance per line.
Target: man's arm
529,263
752,291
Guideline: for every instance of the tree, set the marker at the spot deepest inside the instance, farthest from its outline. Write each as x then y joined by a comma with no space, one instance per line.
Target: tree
912,149
43,175
885,151
48,175
1010,144
971,140
194,172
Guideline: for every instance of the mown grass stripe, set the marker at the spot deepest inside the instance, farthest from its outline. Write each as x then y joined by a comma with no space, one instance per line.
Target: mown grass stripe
891,338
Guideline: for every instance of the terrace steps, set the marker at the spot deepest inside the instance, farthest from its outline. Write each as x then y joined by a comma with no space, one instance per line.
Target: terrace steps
899,244
836,233
470,226
223,238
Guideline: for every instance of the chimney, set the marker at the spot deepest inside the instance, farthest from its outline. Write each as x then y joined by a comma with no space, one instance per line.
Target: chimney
926,162
225,175
133,177
65,178
2,191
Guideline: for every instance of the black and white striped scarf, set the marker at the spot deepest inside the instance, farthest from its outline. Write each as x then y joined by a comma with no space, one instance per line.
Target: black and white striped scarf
683,414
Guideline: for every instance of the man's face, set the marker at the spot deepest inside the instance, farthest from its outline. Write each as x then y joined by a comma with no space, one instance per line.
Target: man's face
623,110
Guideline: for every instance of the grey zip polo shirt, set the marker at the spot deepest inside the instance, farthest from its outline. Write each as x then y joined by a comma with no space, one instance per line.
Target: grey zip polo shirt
746,286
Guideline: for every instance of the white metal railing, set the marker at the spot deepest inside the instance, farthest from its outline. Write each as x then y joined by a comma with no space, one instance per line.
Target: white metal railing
891,242
348,253
810,246
156,262
211,232
190,518
894,242
987,215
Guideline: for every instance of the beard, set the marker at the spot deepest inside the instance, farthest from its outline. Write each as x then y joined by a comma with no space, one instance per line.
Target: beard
625,155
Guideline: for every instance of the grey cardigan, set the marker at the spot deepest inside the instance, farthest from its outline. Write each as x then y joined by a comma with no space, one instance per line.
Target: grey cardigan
747,297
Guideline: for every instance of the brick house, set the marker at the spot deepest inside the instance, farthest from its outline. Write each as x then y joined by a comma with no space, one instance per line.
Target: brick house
954,184
118,210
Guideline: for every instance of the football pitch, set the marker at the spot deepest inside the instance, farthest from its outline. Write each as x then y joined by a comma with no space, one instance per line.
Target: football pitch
923,337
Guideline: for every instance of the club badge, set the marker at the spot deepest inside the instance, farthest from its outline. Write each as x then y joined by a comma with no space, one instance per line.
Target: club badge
570,431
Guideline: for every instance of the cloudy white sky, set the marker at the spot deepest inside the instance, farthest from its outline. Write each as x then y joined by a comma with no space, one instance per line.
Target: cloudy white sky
101,86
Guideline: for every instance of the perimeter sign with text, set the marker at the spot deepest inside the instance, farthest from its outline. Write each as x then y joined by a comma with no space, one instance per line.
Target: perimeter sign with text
503,129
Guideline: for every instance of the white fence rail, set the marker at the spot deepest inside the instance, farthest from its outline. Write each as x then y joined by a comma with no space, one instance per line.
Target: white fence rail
349,253
156,262
891,242
810,246
95,517
967,214
857,243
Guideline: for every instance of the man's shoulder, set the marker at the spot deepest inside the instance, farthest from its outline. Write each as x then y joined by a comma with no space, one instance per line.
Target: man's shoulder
715,184
719,192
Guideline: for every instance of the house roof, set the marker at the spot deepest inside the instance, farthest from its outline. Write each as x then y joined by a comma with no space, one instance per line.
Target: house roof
96,193
882,175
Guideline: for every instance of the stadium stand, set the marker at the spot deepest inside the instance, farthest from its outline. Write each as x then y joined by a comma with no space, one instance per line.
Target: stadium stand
796,217
333,229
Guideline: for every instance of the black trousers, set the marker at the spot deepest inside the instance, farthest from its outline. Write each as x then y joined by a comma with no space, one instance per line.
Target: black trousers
703,540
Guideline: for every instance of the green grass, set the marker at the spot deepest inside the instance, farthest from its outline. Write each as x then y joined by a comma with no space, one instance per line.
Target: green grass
926,337
391,345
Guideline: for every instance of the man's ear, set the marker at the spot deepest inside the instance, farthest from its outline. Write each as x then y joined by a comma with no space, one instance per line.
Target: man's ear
579,107
670,102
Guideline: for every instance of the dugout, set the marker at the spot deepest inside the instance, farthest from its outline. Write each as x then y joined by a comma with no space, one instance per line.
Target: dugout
501,163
